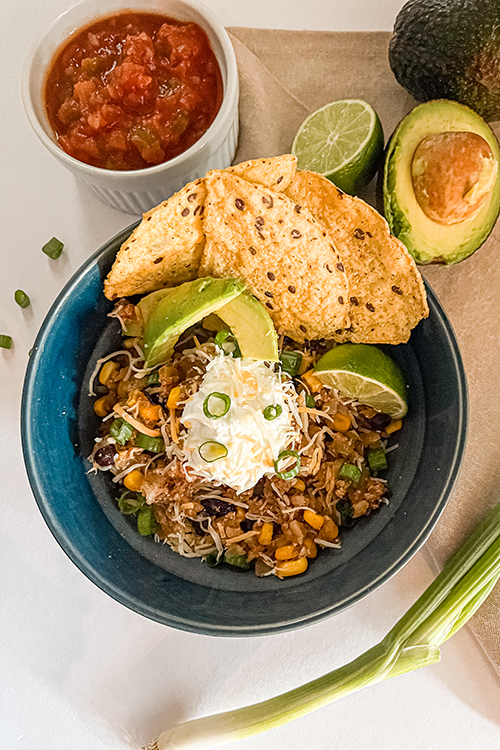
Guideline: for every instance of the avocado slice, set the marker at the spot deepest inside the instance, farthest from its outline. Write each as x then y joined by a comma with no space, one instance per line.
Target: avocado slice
252,327
182,307
145,305
428,240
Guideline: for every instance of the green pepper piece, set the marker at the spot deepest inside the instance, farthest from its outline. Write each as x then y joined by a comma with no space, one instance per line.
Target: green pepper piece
350,471
376,459
236,560
53,248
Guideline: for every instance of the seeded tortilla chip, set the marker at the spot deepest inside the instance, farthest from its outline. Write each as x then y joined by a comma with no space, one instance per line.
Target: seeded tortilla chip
275,173
164,250
284,255
386,292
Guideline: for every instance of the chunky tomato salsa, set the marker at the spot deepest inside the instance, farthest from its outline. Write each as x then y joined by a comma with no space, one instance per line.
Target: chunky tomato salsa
133,90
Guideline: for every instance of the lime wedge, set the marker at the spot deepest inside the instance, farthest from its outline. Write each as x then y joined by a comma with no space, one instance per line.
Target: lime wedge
365,373
343,141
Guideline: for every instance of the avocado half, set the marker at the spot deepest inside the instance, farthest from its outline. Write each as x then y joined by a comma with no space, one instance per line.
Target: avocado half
427,240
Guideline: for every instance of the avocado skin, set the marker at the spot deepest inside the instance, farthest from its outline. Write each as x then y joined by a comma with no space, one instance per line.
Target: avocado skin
427,241
449,49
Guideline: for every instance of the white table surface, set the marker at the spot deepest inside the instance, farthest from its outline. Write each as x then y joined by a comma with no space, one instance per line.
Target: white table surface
78,671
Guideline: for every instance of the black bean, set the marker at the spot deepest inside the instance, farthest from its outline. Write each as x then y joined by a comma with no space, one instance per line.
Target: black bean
379,422
216,507
105,456
247,525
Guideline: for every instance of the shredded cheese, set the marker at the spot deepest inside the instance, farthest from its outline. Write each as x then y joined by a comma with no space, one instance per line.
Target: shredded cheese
135,423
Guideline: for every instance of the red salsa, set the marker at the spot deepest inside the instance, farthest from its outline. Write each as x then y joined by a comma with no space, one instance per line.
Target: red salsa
133,90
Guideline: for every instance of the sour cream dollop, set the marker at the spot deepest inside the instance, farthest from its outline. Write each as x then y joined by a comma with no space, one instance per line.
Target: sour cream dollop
253,442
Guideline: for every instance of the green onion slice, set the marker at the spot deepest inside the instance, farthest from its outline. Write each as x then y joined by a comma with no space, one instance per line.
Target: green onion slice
216,405
153,378
130,502
290,362
5,341
147,443
21,298
272,412
211,451
350,471
289,473
227,342
376,459
121,430
53,248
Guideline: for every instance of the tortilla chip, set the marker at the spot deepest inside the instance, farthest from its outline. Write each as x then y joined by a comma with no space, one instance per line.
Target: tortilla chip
284,255
165,249
275,173
386,292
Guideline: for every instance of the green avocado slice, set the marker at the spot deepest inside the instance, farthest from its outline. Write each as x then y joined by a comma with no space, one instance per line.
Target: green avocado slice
183,306
429,241
252,327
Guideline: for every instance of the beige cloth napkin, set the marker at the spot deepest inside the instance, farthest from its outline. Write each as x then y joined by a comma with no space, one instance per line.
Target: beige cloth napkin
284,75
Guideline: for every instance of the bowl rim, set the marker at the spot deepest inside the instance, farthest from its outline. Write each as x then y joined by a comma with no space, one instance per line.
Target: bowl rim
92,573
220,123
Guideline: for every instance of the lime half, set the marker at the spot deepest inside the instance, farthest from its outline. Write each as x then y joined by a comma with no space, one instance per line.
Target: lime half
364,373
343,141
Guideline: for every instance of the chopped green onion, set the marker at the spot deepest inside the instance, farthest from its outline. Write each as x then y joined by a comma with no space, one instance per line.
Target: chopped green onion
153,378
272,412
446,605
153,444
237,560
290,362
211,451
5,341
146,521
53,248
310,402
130,502
346,511
21,298
216,405
289,473
376,459
350,471
213,559
121,430
227,342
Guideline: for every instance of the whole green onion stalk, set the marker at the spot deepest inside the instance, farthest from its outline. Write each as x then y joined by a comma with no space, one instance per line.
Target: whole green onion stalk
446,605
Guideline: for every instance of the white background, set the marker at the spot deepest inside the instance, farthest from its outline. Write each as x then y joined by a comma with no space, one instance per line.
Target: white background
79,671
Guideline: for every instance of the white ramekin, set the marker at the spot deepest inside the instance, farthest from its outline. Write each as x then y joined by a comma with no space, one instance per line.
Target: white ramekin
136,191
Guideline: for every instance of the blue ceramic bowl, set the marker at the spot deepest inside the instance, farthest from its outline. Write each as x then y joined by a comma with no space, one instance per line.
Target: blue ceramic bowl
58,427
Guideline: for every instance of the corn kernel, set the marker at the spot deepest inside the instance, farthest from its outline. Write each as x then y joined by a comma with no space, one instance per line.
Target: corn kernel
312,381
313,519
292,567
129,343
151,412
134,480
173,397
299,485
107,370
395,425
341,422
310,546
287,552
266,533
102,407
329,530
240,514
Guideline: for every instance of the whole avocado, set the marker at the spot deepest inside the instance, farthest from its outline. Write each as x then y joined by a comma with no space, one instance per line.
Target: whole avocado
449,49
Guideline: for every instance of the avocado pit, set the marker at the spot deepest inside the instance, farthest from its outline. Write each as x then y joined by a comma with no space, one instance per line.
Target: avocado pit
453,173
